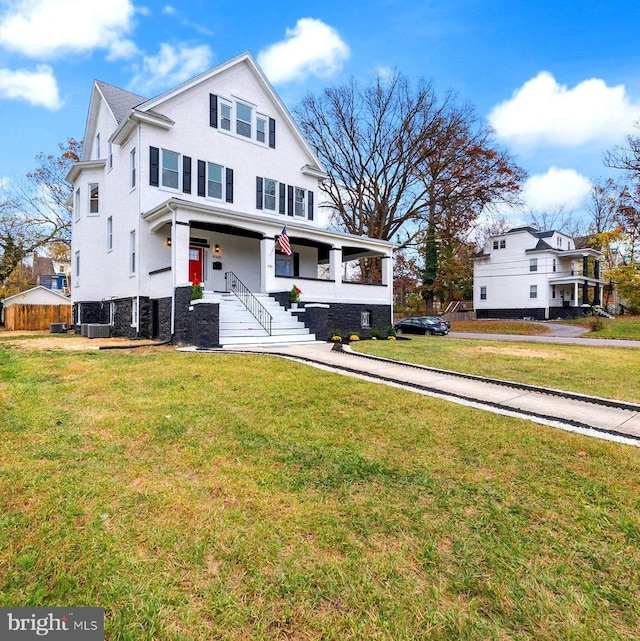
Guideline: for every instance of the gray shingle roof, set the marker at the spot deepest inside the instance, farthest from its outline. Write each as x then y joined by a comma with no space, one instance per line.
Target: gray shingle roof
120,101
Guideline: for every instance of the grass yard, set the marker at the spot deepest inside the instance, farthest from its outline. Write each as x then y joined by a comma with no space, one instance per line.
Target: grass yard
611,372
201,497
519,328
620,327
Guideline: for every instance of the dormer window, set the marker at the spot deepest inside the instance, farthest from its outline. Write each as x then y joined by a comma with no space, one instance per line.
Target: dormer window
225,116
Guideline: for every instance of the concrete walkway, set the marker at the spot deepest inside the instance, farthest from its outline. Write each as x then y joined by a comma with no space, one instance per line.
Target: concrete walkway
603,418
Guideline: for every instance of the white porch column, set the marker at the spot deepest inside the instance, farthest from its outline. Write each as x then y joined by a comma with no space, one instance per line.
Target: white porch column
387,270
267,264
180,235
335,269
575,295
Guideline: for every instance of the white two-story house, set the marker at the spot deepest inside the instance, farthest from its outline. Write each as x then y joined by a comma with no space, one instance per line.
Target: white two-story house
197,185
530,273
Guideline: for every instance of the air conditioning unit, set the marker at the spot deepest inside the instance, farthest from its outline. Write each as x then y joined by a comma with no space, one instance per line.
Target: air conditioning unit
58,328
83,329
95,330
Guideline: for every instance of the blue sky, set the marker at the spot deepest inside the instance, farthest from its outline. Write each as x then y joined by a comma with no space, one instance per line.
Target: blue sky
558,80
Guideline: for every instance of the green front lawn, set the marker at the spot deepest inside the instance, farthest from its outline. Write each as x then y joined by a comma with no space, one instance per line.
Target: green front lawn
610,372
199,497
627,327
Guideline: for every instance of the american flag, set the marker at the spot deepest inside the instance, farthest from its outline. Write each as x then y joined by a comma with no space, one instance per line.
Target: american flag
283,242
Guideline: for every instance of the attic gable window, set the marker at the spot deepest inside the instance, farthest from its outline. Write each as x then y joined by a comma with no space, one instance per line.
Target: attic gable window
244,119
248,123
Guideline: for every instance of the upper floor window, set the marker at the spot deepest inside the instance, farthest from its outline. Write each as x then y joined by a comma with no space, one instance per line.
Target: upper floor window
77,204
248,123
503,243
109,233
270,194
94,201
244,119
555,265
132,252
533,291
299,208
110,155
215,183
97,146
533,265
170,169
132,168
495,244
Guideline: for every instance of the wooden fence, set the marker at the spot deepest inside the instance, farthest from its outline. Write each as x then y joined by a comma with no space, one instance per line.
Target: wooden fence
35,317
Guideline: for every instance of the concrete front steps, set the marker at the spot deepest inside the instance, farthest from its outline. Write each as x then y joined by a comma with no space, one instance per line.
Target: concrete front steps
239,327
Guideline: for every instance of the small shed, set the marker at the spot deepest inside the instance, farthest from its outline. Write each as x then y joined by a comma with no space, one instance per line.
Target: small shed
35,309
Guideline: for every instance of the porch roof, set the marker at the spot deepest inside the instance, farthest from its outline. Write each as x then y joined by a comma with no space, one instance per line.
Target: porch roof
260,226
573,280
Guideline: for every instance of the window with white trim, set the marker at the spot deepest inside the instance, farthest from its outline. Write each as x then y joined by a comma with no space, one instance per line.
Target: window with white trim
77,268
109,233
215,180
483,292
533,265
94,198
110,155
97,146
503,244
533,291
77,204
365,319
170,169
134,312
300,200
132,252
225,116
270,194
555,264
261,129
132,168
244,120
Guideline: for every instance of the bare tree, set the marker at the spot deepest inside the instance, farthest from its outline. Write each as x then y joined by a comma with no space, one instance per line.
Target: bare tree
371,141
34,213
604,202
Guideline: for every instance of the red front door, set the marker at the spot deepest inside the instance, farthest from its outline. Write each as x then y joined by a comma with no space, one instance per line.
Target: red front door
195,264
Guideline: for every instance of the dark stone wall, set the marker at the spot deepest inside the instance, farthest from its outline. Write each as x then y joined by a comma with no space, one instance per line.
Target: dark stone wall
346,318
144,319
519,313
568,312
316,320
90,312
122,319
164,319
182,328
205,325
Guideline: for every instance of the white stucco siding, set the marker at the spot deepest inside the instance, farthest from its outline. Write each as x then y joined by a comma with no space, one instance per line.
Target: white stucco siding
192,136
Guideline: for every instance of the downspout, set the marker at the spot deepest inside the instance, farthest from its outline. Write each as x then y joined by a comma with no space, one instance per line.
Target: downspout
139,226
173,270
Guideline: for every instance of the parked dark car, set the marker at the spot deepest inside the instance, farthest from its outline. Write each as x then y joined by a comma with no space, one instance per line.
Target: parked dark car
437,319
422,325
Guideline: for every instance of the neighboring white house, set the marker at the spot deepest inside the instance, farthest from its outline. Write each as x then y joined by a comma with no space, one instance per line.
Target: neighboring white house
529,273
196,185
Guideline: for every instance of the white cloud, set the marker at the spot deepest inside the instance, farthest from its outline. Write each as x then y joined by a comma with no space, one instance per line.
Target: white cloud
43,28
543,112
168,10
37,87
122,50
311,47
554,189
170,67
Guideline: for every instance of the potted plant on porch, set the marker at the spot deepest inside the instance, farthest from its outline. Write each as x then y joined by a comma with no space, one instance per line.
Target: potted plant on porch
294,297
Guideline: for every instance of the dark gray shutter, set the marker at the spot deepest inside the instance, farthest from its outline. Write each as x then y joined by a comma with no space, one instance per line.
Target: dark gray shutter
259,192
201,178
283,197
310,205
272,133
154,166
186,174
289,200
229,190
213,110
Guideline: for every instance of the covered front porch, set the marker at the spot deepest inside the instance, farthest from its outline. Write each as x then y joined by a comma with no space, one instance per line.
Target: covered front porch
206,243
346,281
